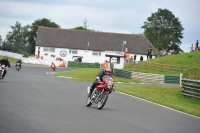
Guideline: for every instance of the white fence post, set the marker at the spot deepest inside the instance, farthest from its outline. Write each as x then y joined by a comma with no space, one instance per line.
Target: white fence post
181,76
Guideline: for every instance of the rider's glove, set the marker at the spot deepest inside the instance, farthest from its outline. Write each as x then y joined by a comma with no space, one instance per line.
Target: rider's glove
8,68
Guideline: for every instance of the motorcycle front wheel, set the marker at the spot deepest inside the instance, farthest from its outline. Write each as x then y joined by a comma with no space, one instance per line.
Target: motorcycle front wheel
88,102
102,101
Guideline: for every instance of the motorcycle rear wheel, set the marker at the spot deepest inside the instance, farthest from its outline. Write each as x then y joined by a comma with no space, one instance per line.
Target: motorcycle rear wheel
88,102
102,101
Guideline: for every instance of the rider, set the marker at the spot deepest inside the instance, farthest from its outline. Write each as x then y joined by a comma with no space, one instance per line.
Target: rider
106,71
5,62
53,65
20,62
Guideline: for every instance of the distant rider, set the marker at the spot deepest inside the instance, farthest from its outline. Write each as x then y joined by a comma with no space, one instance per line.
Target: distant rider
5,62
20,62
53,66
106,71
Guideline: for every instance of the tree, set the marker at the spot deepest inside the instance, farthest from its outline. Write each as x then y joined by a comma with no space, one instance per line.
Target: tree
80,28
0,40
34,28
163,30
84,27
16,40
85,23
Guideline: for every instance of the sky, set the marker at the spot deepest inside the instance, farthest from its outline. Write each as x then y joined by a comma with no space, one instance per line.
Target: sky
116,16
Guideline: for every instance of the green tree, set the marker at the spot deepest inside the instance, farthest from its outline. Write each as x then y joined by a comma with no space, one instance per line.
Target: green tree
84,27
80,28
164,30
34,29
16,40
1,41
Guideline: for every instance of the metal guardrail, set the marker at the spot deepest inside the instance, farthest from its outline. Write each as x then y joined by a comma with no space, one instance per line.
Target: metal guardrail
172,79
190,88
147,77
123,73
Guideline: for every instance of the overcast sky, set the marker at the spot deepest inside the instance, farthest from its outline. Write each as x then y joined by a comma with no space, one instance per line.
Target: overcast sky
117,16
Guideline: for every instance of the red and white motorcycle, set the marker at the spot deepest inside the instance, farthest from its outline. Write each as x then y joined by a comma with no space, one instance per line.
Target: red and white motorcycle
100,94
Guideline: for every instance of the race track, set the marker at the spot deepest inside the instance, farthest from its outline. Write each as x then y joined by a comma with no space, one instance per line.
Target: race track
31,101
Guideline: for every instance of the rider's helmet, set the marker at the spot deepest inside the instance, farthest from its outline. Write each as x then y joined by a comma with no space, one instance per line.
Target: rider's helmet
107,71
5,58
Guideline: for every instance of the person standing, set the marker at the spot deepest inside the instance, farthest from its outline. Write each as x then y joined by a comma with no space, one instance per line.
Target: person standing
135,57
191,48
148,53
141,58
131,59
197,46
105,64
127,57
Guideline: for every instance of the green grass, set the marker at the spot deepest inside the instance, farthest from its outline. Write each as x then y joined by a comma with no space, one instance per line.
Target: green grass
167,96
89,75
185,59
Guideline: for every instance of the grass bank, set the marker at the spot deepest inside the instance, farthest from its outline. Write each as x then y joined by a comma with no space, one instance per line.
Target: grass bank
189,60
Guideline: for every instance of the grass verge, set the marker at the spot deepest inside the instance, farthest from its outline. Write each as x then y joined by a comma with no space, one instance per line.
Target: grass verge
89,75
164,95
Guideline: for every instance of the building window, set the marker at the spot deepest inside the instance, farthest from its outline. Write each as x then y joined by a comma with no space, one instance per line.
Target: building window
73,51
96,53
48,49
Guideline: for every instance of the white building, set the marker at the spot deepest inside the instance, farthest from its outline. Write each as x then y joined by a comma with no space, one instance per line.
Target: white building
89,46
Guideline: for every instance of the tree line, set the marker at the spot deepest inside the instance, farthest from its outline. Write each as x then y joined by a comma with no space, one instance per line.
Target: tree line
162,29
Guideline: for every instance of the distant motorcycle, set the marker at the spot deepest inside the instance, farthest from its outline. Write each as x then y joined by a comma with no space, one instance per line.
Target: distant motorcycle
2,68
17,66
53,67
100,94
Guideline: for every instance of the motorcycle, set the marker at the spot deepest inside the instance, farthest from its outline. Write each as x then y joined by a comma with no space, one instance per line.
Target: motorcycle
17,66
100,94
2,68
53,67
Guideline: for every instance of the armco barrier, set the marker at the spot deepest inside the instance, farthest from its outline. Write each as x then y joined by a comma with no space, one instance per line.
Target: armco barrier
147,77
83,65
190,88
123,73
172,79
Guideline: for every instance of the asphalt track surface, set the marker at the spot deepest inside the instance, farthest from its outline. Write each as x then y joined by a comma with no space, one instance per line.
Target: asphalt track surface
31,101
